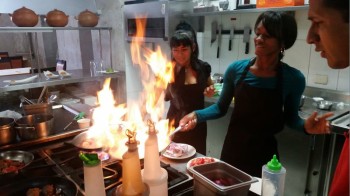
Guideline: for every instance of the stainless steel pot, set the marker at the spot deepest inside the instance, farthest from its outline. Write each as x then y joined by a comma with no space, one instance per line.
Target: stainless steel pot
7,132
35,126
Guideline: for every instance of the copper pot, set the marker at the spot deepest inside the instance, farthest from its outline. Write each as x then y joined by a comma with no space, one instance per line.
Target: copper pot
56,18
34,126
87,19
24,17
7,132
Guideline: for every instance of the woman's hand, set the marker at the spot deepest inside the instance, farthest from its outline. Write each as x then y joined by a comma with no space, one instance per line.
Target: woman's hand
318,125
209,91
188,122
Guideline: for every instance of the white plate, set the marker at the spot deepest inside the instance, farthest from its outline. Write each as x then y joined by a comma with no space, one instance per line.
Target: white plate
63,73
109,72
190,152
25,80
50,75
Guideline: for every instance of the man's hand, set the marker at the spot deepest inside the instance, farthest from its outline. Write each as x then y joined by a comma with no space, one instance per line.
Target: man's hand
318,125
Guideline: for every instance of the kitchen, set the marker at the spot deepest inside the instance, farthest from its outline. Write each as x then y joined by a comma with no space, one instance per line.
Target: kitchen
308,63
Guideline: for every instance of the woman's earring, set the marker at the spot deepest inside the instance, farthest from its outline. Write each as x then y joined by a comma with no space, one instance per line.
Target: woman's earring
282,51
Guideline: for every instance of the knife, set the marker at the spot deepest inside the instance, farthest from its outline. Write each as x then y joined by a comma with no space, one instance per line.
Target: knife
219,42
232,33
214,26
246,38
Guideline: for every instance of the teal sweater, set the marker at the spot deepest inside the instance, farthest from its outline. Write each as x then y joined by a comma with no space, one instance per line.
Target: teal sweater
293,88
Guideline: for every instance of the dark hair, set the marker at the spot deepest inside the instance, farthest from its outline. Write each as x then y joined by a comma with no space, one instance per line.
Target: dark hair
341,5
279,25
187,27
185,38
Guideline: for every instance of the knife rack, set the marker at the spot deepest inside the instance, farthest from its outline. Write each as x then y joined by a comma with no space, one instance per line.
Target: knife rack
236,32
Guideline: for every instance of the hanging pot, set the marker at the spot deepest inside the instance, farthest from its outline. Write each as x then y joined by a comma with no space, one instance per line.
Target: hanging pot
24,17
87,19
56,18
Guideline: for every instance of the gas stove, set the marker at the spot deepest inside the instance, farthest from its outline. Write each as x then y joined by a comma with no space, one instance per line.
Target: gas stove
62,160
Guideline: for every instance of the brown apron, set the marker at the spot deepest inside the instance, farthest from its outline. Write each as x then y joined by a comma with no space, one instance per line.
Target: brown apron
257,116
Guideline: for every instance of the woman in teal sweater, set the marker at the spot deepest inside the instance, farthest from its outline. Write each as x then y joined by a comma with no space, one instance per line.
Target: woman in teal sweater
266,95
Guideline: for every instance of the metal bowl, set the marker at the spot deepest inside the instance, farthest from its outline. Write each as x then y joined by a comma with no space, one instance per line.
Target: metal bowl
16,155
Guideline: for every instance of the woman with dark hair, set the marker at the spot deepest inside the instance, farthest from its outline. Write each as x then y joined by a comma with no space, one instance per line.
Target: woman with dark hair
186,93
266,95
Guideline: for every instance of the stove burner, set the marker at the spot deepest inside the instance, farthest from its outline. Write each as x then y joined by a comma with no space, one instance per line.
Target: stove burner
63,161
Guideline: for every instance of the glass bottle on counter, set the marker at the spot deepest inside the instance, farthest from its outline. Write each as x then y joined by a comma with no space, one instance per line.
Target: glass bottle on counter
273,178
93,175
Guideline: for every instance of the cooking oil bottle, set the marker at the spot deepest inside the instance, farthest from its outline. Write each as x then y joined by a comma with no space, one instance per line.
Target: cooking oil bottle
273,178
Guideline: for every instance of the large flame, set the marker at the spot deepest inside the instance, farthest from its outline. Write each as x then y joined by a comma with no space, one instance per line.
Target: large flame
110,122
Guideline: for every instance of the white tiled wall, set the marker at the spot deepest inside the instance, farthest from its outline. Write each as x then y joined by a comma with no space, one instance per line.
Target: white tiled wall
301,56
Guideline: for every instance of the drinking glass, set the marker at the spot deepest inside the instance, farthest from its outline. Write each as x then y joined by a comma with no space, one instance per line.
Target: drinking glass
93,68
97,67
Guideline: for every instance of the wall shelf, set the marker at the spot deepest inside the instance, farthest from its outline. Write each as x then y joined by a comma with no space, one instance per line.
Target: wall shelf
243,11
77,76
47,29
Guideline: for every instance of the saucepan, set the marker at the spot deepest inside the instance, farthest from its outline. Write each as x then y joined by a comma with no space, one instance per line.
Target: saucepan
7,132
34,126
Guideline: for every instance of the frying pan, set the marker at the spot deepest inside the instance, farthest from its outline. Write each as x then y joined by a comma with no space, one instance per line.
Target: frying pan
66,186
17,155
79,139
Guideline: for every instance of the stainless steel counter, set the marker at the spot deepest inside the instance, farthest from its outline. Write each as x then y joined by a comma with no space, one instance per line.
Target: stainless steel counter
76,76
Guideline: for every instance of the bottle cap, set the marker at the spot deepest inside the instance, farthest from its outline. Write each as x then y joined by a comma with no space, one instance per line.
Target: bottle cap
274,164
89,159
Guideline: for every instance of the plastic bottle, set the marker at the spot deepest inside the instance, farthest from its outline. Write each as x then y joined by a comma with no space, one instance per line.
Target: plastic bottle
273,178
93,175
